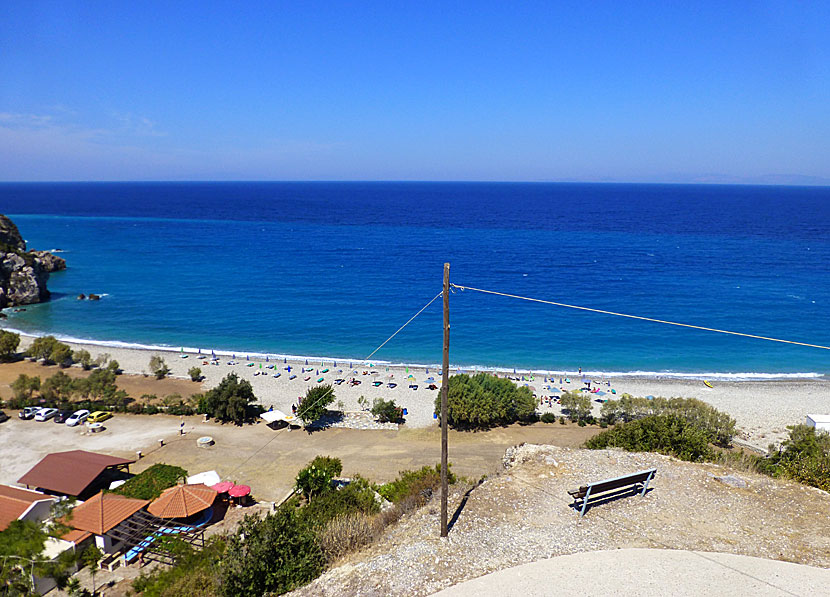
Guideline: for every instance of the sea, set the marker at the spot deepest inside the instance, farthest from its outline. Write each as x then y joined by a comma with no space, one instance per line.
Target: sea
333,269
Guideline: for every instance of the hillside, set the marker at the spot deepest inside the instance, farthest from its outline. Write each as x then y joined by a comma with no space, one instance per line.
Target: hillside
523,515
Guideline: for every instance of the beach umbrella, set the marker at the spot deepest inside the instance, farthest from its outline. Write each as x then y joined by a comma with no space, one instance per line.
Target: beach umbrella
288,368
260,365
247,358
233,356
222,487
306,361
239,491
266,358
335,363
514,371
284,360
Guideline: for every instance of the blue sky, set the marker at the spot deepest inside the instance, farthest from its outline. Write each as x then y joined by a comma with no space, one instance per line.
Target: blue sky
578,91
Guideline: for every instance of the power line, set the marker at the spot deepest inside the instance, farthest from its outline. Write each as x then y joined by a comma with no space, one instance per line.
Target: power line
663,321
331,389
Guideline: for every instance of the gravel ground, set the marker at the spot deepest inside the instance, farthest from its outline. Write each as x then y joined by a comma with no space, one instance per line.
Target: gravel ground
523,515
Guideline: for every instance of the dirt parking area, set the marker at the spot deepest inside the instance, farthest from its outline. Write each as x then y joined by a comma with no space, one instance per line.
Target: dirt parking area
268,459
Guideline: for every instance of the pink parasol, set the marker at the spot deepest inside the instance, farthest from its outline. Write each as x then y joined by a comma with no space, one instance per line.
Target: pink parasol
239,491
222,487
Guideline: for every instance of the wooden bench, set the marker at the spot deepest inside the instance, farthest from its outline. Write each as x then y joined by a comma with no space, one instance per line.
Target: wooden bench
586,492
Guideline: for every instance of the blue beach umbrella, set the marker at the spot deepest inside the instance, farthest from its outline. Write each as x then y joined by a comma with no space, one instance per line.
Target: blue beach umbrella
335,363
284,360
247,358
233,356
306,361
266,358
200,351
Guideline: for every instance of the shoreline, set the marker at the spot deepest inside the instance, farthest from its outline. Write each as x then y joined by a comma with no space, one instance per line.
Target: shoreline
749,376
762,408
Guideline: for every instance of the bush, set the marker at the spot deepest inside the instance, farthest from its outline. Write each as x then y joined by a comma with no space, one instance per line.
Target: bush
114,368
149,484
315,479
548,418
577,404
665,434
348,532
229,401
387,411
315,403
804,457
158,367
57,387
418,485
356,497
271,555
484,401
197,572
195,373
9,341
696,412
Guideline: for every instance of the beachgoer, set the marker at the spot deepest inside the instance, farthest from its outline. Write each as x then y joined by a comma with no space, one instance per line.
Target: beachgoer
580,370
181,427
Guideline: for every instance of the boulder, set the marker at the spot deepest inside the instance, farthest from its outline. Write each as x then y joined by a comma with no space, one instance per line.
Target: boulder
23,274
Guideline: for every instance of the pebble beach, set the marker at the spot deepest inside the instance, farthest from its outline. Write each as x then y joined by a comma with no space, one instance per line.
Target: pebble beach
762,409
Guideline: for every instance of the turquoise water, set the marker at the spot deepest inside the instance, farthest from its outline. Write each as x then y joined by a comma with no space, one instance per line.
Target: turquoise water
332,269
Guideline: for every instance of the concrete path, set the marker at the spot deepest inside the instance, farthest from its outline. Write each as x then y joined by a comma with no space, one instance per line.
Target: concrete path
649,572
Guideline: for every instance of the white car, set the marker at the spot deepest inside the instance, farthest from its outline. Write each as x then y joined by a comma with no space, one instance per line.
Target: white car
44,414
79,416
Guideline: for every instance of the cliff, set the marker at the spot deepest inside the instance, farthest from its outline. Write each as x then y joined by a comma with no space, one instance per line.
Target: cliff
23,274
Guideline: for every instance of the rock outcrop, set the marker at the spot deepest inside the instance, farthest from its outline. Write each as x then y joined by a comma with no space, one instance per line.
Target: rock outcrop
23,274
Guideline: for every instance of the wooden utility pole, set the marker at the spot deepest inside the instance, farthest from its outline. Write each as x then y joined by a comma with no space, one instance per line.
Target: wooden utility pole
445,387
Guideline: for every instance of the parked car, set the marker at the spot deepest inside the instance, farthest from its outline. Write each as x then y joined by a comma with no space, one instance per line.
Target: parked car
79,416
28,412
44,414
3,417
62,416
98,416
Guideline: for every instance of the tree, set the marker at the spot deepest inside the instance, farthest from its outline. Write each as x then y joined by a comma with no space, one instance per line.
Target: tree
271,555
316,401
84,358
9,341
195,373
484,400
24,386
386,411
58,387
316,477
229,400
158,367
577,404
91,558
114,367
101,384
50,350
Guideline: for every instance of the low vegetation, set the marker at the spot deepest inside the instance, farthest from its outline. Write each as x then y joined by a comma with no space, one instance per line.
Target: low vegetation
9,341
578,406
293,546
387,411
484,401
148,484
158,367
51,351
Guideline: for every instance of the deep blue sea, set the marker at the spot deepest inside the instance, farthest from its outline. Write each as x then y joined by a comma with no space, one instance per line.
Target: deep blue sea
332,269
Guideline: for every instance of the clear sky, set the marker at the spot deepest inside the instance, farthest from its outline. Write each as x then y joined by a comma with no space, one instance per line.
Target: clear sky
395,90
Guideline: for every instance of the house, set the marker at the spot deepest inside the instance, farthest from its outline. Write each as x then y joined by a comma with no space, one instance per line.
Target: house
75,473
22,504
99,515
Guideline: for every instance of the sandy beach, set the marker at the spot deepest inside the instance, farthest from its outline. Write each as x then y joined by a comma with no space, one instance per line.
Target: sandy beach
762,409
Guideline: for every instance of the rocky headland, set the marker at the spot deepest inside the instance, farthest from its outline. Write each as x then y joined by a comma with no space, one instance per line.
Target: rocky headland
23,273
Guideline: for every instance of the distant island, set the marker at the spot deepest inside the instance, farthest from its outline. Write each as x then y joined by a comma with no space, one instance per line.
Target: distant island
23,274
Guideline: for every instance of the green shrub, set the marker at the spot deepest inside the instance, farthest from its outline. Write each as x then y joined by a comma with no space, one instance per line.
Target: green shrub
387,411
149,484
57,387
696,412
84,358
197,572
665,434
315,479
195,373
315,403
355,497
483,401
804,457
51,350
548,418
275,554
415,484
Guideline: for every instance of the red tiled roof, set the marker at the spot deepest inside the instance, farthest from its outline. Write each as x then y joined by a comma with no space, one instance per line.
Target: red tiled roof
182,501
69,472
14,501
104,511
75,536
